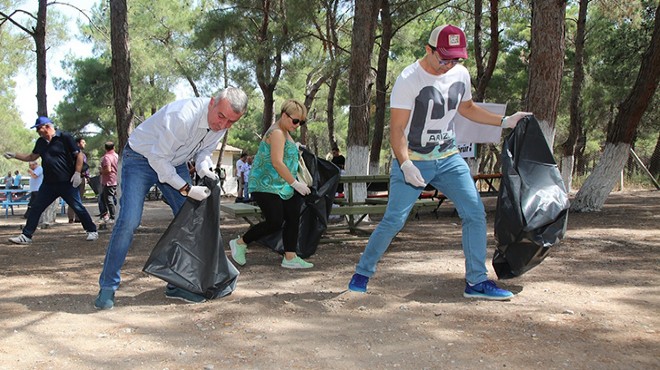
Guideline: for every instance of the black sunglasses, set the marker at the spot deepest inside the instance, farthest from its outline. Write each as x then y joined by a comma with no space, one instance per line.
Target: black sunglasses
296,120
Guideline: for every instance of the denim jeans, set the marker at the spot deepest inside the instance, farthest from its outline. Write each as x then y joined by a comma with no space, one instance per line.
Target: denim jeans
451,176
137,177
47,194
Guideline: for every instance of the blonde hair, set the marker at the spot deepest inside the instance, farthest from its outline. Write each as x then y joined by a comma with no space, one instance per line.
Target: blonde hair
293,106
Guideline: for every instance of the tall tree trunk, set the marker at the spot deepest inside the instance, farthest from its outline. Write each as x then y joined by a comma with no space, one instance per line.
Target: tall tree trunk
330,103
312,88
40,45
621,132
381,88
484,74
546,63
568,147
654,164
268,78
360,83
121,70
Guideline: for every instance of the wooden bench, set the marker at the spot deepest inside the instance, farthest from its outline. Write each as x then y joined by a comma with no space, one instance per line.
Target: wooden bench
488,179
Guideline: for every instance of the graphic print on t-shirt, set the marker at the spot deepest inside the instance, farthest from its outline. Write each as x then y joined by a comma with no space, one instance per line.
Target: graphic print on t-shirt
431,133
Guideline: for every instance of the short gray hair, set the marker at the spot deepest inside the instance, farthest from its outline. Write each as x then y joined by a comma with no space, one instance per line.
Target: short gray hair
236,97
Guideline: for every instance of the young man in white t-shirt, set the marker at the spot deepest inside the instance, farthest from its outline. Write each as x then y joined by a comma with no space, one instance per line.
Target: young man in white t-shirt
424,100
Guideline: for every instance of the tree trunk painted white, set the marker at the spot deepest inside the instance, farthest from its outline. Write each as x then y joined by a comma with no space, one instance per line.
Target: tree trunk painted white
567,163
357,165
599,184
374,168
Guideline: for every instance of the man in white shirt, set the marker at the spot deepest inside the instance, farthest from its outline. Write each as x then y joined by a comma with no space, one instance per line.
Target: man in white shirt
36,178
239,176
157,153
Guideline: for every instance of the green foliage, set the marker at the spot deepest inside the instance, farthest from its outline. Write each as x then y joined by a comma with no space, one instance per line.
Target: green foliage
178,46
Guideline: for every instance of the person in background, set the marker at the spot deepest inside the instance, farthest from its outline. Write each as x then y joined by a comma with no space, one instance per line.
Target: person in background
84,175
36,178
222,175
340,161
62,177
239,177
247,167
425,98
17,180
276,190
109,181
157,152
9,180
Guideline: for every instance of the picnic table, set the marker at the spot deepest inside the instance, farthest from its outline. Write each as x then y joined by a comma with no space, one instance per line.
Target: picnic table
355,212
14,197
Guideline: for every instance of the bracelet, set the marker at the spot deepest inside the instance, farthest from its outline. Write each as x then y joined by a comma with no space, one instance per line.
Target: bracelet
502,121
185,190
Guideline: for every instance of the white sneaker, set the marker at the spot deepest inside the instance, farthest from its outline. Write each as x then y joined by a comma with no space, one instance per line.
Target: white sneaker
92,235
21,239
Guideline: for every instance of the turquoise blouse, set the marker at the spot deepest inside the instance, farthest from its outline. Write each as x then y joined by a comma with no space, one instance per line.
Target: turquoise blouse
264,178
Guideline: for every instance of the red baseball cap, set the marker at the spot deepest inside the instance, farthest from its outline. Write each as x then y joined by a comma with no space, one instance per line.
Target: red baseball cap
449,41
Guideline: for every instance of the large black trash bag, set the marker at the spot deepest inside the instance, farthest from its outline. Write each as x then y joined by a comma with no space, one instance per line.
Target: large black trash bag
190,254
532,206
315,210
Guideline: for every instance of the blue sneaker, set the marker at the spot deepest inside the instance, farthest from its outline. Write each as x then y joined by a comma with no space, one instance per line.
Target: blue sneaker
358,283
184,295
487,290
105,300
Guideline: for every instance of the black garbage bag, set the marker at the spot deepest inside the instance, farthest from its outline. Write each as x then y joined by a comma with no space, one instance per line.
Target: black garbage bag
190,254
315,210
95,184
532,206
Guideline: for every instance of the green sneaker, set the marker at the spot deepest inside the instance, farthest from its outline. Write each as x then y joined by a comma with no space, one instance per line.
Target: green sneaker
238,251
296,263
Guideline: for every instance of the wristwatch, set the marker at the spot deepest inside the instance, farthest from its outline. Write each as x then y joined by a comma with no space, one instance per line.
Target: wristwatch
184,190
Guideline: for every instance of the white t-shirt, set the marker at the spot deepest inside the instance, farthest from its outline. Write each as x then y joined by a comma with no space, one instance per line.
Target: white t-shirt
433,102
239,167
35,183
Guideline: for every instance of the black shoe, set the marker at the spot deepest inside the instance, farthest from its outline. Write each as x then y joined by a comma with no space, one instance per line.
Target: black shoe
184,295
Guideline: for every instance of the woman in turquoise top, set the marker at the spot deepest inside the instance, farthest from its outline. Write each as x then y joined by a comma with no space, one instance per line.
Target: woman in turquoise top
275,188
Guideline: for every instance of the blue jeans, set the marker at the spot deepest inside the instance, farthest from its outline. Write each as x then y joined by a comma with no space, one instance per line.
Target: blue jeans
47,194
137,177
451,176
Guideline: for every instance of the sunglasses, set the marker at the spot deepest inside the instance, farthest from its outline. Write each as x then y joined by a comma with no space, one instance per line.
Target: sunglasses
445,62
296,120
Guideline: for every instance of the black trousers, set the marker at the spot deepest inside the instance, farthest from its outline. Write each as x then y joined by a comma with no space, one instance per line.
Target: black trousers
278,214
108,199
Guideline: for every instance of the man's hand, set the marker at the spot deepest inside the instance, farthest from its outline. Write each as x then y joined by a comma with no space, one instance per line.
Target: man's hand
205,172
412,174
10,155
512,121
199,192
300,187
76,180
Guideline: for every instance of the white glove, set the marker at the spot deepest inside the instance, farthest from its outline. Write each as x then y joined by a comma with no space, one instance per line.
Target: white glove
512,121
412,174
75,179
199,192
10,155
300,187
205,172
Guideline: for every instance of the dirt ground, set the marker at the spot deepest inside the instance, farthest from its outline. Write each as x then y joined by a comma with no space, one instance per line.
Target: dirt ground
594,303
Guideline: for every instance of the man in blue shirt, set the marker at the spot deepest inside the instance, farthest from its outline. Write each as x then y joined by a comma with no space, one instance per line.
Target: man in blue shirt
62,163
